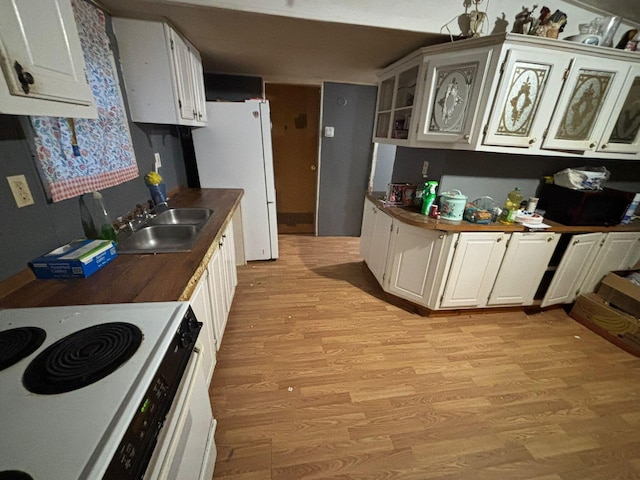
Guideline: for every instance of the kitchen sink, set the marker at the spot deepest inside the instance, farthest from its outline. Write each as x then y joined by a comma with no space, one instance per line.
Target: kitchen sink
174,230
182,216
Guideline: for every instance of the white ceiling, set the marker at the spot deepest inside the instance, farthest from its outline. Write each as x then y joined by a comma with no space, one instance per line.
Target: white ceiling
294,50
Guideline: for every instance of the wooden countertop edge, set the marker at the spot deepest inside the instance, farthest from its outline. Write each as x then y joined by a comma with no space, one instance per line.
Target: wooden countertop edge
131,277
413,217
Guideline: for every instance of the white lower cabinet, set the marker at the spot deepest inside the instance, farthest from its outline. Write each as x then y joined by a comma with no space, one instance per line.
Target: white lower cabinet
223,279
201,305
374,239
416,263
474,269
523,267
572,269
618,251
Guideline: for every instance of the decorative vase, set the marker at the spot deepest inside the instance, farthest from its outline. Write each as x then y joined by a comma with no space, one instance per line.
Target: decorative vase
158,193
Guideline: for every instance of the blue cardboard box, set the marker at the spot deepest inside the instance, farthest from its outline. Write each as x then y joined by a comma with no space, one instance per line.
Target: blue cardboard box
77,259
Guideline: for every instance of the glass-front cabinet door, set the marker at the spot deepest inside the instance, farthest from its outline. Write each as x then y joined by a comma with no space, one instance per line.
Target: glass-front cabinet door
525,98
396,97
452,90
585,104
622,134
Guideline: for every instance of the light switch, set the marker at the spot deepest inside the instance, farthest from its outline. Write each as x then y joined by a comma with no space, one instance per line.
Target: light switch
158,161
329,132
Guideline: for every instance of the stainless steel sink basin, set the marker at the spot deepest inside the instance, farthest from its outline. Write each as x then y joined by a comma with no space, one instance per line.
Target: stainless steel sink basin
160,239
182,216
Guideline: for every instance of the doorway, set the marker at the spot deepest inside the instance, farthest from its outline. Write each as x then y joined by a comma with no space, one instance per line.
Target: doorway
295,118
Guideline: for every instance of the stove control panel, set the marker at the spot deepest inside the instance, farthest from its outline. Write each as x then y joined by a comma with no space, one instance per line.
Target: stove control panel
134,452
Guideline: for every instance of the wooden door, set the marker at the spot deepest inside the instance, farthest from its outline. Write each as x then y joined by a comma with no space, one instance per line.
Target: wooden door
295,117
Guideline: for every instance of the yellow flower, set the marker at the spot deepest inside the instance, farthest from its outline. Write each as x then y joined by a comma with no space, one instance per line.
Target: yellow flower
152,178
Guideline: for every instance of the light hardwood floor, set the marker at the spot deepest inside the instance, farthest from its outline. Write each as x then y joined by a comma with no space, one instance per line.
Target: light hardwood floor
319,378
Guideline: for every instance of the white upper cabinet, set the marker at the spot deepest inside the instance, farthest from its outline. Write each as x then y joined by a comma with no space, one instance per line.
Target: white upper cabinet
162,73
585,104
518,93
525,98
397,97
622,132
451,94
42,61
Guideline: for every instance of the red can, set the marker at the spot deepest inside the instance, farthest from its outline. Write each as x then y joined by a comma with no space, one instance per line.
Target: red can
433,211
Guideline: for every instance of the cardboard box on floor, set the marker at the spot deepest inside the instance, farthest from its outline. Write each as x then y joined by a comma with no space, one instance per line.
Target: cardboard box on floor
620,292
610,323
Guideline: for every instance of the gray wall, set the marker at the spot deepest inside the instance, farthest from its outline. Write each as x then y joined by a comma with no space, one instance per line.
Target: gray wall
495,174
345,160
31,231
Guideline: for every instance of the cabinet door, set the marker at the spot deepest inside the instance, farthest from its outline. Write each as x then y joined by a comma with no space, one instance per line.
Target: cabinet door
414,256
217,291
585,104
200,100
572,269
39,39
230,272
618,251
380,245
525,98
622,133
474,268
366,232
386,90
200,302
523,267
184,75
451,93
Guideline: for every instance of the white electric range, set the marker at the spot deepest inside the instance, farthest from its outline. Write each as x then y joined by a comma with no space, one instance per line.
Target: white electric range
100,391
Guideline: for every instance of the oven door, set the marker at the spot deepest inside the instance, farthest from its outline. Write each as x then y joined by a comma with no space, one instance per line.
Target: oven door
186,446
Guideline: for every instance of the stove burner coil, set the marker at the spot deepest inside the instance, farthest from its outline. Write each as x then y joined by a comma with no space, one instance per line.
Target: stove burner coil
18,343
82,358
15,474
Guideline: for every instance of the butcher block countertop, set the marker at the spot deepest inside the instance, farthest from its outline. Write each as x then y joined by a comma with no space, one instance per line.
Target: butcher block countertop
135,278
412,216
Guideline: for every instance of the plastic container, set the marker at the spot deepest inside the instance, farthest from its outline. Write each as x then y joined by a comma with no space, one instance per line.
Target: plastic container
511,206
95,218
428,196
452,205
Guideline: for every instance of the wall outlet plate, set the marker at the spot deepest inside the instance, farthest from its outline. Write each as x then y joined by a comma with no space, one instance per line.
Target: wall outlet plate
20,189
425,168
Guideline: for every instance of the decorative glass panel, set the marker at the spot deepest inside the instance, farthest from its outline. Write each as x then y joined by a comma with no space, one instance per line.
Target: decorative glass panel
382,129
407,87
454,86
585,104
628,123
521,102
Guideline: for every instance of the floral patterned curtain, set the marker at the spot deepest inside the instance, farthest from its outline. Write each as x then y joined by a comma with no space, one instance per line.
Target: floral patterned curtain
77,156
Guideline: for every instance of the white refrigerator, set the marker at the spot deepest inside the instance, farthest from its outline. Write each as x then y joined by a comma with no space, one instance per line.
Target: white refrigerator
234,151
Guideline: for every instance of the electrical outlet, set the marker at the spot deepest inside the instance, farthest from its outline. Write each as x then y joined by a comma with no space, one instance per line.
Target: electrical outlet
158,161
425,168
20,189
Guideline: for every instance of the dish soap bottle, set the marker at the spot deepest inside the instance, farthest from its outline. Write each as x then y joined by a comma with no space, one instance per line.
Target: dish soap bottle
96,222
428,196
511,206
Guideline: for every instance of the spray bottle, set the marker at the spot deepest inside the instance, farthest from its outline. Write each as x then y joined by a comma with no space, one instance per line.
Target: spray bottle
428,196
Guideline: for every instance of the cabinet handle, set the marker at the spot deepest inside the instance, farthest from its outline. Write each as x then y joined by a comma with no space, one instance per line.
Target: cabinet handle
592,144
24,77
532,141
549,239
466,137
604,146
499,239
442,236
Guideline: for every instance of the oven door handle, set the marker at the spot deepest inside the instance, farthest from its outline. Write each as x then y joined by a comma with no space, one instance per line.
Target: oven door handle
183,410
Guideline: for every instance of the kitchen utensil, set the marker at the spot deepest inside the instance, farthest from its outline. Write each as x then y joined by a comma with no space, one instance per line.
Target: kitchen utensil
452,204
